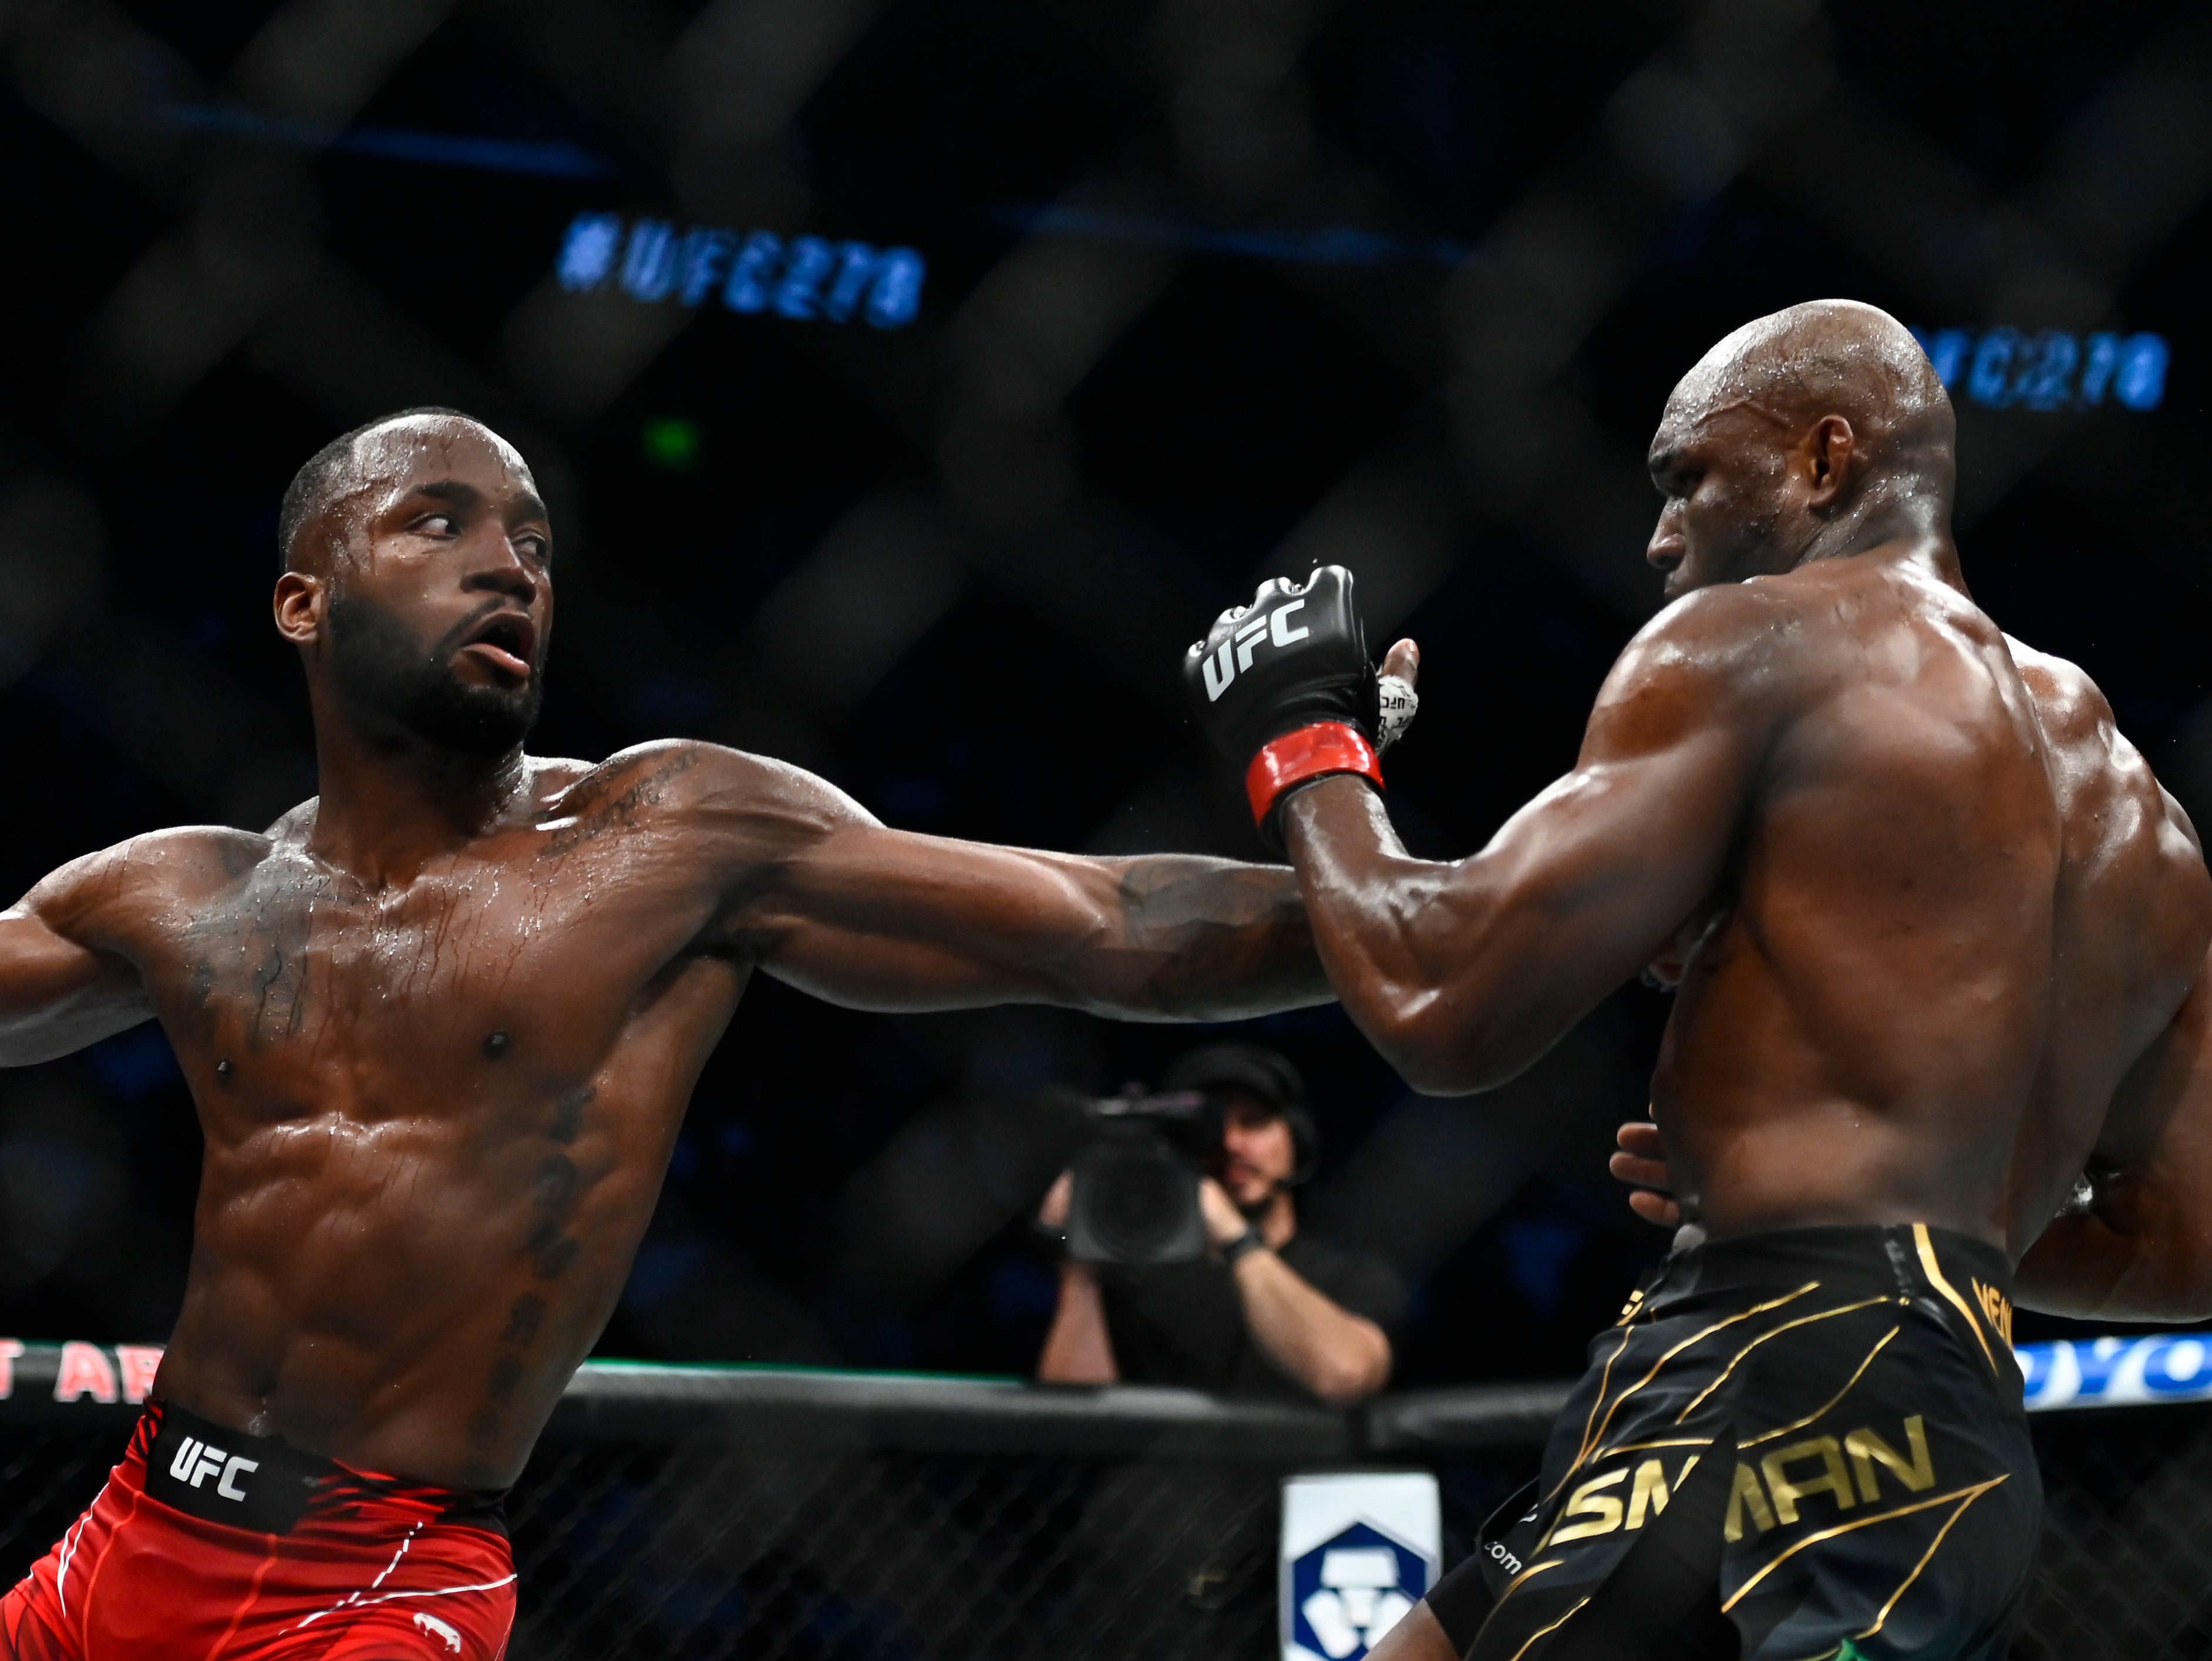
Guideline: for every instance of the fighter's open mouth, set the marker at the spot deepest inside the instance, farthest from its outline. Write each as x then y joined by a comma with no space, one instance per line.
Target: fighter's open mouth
506,641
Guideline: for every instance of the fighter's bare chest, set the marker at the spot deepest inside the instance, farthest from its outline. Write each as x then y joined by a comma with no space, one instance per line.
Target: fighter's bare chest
291,955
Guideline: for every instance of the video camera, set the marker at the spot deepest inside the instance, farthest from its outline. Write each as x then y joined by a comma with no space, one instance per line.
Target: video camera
1135,1198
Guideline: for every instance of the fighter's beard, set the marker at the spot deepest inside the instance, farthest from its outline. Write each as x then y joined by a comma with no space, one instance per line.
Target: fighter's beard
384,680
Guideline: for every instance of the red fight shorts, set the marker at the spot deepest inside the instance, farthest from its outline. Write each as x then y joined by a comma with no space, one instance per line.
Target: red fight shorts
208,1544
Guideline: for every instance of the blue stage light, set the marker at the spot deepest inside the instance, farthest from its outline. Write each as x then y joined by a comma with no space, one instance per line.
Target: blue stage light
554,159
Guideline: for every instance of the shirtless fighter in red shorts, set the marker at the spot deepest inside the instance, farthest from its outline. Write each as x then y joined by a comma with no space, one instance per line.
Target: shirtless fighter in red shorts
441,1024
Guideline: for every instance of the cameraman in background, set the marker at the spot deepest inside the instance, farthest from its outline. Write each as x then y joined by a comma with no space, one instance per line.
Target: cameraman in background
1267,1310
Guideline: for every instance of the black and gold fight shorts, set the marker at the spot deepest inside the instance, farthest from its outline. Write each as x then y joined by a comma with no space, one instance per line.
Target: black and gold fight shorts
1804,1446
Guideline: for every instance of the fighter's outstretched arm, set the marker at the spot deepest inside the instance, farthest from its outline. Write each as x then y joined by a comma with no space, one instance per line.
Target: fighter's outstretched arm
822,895
1464,974
59,991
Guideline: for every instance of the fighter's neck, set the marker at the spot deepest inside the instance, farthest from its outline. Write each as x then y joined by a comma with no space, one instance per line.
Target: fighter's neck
384,809
1895,521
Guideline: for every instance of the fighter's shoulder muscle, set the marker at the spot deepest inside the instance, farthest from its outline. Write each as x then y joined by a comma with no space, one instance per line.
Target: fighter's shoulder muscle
108,896
682,786
2092,762
1726,656
2073,711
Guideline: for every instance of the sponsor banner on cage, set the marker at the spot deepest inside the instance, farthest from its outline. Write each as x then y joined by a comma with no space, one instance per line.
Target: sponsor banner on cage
2082,1372
1359,1550
2111,1372
75,1371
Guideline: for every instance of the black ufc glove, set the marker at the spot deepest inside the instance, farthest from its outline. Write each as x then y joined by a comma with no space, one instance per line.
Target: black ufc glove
1284,689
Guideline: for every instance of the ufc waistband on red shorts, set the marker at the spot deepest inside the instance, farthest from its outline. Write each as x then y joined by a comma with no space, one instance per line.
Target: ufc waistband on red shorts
210,1544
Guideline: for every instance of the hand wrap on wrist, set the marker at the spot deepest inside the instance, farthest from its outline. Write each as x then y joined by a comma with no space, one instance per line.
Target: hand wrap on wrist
1307,753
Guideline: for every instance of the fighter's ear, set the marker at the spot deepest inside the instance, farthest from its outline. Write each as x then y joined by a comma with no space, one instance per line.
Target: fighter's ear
1831,454
300,602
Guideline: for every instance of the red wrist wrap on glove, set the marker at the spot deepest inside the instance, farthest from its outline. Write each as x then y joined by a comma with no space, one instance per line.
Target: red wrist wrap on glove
1327,746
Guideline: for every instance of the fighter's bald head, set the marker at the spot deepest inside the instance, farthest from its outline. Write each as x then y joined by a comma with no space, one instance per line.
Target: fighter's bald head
358,461
1825,358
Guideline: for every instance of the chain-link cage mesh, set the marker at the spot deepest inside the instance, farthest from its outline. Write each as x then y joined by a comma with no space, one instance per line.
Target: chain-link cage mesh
709,1547
711,1544
2126,1568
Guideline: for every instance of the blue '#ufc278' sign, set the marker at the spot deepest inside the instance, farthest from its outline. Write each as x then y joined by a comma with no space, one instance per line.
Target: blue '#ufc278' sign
805,278
2005,368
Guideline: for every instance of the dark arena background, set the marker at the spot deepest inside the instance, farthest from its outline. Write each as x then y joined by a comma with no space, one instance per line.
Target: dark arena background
911,381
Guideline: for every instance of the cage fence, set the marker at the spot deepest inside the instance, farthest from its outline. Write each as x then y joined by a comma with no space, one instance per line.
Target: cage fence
684,1514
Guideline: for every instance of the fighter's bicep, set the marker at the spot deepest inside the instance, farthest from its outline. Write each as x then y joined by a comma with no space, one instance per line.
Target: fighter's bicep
892,919
1495,958
1671,759
58,993
1616,855
859,968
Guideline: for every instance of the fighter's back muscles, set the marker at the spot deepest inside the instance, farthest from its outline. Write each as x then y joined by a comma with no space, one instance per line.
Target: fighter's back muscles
2126,1091
2125,1085
1830,783
2133,920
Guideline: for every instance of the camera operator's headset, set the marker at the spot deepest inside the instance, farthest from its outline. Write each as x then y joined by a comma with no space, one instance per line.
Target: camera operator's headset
1269,1076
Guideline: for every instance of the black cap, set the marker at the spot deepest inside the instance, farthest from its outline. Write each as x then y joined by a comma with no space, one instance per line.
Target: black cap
1264,1074
1244,1067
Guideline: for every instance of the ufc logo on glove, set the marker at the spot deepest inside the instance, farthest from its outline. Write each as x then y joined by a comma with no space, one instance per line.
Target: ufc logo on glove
1236,653
1284,688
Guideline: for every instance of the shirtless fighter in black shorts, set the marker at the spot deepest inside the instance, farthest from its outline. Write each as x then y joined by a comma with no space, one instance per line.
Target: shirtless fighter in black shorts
1924,910
441,1024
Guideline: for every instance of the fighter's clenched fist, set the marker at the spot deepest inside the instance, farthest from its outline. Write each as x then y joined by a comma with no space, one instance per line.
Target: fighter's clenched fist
1285,688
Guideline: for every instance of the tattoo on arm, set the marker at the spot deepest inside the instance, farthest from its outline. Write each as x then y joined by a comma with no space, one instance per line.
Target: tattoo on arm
1229,939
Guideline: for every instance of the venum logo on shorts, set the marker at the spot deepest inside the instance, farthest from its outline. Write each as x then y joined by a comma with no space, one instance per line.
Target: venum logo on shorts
1996,1308
196,1461
444,1632
1234,654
